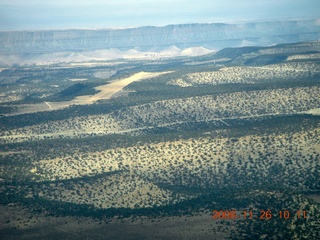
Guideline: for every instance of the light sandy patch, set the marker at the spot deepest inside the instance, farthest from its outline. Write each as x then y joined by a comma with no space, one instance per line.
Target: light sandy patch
303,56
315,111
6,153
40,107
106,92
77,79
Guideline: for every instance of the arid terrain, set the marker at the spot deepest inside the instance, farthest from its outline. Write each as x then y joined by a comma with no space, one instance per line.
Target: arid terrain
97,149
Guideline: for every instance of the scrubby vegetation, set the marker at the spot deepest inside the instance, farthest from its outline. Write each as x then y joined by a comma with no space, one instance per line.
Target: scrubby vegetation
293,71
165,113
232,134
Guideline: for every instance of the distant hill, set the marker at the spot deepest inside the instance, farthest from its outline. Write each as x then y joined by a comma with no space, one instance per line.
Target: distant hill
236,52
257,56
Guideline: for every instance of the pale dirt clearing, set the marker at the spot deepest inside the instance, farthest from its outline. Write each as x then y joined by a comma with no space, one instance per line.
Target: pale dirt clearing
315,111
5,153
304,56
106,92
40,107
77,79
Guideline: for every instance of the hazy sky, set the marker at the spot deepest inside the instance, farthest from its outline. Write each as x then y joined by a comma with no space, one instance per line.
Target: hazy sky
65,14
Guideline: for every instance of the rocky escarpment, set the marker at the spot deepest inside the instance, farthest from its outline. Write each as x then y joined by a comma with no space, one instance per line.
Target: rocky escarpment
214,36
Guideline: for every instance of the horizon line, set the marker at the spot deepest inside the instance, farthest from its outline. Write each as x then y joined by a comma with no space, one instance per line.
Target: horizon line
233,22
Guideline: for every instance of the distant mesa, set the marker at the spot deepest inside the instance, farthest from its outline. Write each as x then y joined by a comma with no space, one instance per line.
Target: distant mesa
45,47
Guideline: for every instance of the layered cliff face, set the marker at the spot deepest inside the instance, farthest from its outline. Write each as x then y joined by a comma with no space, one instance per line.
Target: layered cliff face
210,36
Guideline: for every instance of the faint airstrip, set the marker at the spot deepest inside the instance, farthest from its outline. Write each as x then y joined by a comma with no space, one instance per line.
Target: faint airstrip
105,92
